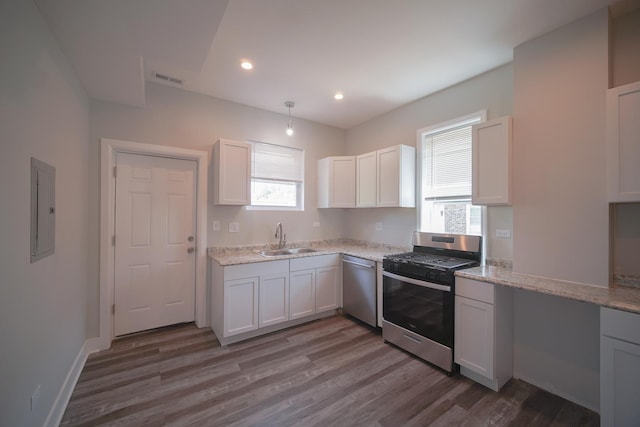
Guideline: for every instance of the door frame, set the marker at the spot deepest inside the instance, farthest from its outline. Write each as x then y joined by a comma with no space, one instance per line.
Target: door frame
109,148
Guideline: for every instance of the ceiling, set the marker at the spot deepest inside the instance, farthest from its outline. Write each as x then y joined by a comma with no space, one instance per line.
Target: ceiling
381,54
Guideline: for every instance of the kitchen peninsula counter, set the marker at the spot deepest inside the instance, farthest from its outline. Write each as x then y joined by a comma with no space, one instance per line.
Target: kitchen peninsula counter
617,297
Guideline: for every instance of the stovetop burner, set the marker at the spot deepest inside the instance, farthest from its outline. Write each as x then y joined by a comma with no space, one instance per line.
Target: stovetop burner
430,260
436,257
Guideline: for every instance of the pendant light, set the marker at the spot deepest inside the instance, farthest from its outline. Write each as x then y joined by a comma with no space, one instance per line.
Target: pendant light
289,105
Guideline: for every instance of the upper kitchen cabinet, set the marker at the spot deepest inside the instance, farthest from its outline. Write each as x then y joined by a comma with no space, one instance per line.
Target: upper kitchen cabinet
232,172
623,143
366,182
337,182
491,153
396,180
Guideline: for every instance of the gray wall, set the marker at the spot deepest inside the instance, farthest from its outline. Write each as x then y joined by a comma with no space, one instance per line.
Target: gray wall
184,119
492,91
44,113
560,209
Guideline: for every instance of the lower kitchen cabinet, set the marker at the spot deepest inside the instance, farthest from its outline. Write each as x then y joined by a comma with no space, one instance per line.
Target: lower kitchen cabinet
315,285
241,303
619,368
274,299
302,293
483,332
328,288
250,299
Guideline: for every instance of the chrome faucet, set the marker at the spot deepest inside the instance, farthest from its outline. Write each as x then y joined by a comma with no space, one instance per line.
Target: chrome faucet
279,235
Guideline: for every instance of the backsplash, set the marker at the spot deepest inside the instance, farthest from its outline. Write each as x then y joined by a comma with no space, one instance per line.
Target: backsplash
629,280
499,262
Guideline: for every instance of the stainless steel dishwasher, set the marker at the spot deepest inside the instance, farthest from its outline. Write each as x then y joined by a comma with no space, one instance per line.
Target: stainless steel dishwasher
359,289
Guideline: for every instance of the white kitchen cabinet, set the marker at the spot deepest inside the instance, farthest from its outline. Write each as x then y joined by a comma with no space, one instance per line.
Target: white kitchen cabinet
396,177
232,172
246,297
491,162
623,143
302,293
240,306
483,332
328,288
366,180
337,182
619,368
274,298
321,273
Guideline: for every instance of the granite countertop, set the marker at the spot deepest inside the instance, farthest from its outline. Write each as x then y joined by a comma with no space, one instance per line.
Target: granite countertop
249,254
618,297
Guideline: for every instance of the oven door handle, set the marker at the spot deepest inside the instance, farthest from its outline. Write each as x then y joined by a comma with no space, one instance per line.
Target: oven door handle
417,282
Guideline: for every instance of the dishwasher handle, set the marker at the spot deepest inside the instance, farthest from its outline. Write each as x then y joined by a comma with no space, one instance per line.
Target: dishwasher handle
358,264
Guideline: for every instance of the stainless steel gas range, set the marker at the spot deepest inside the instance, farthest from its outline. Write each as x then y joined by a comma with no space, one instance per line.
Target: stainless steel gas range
418,294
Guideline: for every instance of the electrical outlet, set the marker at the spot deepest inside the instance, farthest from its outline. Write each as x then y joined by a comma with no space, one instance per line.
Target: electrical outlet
378,226
216,225
503,234
35,397
234,227
316,224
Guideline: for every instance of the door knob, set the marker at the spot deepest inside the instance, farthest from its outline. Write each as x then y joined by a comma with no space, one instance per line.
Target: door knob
190,238
191,249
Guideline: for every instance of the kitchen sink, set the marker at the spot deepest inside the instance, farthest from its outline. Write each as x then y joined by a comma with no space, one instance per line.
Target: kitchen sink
280,252
300,250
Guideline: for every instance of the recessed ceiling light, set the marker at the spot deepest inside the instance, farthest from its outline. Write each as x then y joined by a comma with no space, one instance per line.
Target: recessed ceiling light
246,65
338,96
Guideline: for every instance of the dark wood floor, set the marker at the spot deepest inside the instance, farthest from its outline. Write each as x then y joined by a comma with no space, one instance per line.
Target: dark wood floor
331,372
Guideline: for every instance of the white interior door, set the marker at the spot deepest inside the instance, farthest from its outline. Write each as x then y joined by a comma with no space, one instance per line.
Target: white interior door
155,237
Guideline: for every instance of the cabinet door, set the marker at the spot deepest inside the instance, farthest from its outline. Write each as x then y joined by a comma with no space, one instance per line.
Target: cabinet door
232,170
240,306
623,144
396,177
274,299
327,288
491,154
474,336
366,180
619,382
337,182
302,293
388,164
342,193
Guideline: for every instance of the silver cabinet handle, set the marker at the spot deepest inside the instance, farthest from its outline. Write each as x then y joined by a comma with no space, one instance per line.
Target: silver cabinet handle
358,264
190,250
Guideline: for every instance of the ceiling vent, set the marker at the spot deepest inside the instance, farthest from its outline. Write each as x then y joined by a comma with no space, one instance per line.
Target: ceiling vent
168,79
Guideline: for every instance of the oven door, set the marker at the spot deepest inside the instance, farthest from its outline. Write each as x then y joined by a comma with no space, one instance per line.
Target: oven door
422,307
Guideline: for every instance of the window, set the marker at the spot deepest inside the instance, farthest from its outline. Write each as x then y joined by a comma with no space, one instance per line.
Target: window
445,156
277,177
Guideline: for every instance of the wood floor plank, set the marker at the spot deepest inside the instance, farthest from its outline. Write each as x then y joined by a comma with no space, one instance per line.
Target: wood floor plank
329,372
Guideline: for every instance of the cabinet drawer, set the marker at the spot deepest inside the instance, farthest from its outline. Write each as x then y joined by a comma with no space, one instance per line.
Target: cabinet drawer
240,271
474,289
620,324
319,261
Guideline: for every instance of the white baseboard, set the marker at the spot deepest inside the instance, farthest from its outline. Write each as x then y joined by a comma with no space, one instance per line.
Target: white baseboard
62,400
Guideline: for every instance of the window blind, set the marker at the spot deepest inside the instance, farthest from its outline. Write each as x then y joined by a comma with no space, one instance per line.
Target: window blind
276,162
447,163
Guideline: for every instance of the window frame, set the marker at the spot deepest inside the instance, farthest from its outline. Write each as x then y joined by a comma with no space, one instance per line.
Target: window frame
298,184
471,119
